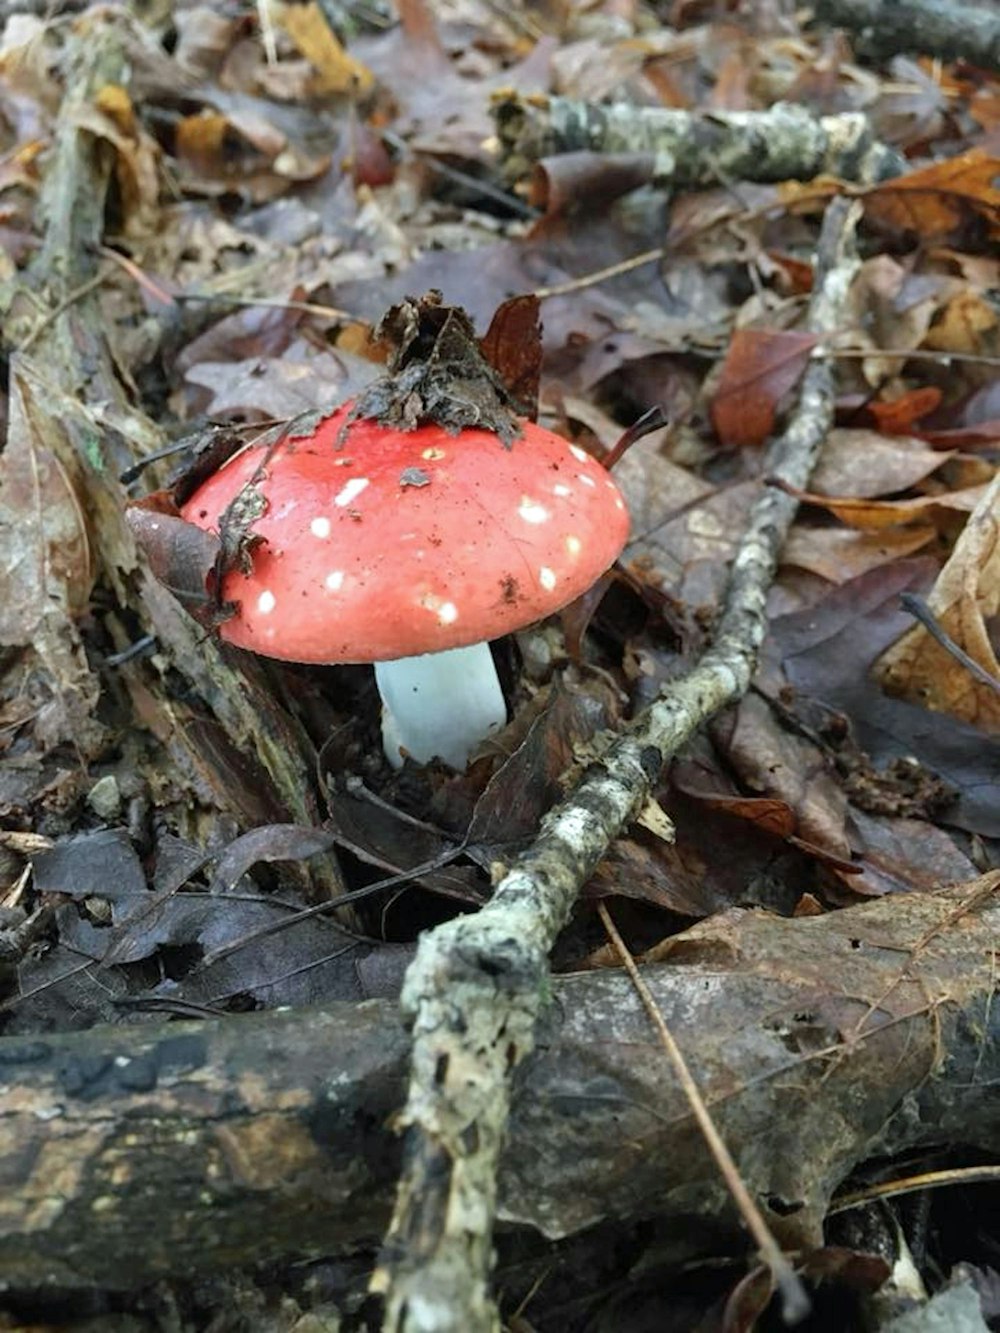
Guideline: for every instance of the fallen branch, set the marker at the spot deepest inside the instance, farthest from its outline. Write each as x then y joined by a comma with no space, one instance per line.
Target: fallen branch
887,27
817,1043
476,988
688,148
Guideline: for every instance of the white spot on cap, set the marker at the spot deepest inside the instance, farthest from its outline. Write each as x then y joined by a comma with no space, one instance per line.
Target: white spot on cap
580,476
351,491
266,602
531,511
610,485
446,612
334,581
574,545
432,454
619,502
320,527
561,490
547,578
579,454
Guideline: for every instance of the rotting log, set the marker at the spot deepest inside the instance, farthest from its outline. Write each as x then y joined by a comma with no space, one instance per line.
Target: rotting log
818,1043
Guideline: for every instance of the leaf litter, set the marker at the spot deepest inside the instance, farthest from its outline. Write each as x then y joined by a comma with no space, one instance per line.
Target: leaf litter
264,209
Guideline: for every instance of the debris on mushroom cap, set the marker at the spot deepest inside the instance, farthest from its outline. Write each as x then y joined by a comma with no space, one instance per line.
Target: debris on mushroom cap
396,543
440,373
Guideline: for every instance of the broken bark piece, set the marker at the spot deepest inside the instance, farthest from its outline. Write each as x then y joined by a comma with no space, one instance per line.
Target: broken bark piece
784,142
819,1043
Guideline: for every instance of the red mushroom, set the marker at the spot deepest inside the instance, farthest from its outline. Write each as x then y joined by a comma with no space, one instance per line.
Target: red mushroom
411,549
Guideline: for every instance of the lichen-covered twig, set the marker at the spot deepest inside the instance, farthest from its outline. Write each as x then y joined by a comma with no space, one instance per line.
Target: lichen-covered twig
478,983
694,148
949,31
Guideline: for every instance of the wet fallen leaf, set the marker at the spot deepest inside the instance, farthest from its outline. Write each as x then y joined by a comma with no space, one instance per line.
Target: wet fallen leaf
46,570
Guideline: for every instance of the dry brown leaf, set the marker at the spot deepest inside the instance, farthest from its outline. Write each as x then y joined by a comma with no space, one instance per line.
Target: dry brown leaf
866,463
241,149
965,595
935,200
112,118
841,554
891,310
965,326
761,366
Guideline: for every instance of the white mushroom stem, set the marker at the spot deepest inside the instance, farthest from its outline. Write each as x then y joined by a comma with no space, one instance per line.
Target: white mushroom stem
439,704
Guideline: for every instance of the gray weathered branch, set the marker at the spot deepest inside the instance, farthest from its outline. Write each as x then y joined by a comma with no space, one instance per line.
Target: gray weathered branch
689,148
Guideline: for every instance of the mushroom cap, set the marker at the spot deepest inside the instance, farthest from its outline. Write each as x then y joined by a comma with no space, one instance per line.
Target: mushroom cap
400,543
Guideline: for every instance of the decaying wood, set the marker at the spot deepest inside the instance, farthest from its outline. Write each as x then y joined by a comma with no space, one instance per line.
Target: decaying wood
818,1043
691,148
478,984
949,31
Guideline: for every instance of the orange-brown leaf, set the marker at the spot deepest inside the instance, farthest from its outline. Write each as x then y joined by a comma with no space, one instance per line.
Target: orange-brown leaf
898,417
936,199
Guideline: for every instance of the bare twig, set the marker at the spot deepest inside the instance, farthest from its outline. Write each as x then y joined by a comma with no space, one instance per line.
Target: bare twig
926,1180
478,983
601,274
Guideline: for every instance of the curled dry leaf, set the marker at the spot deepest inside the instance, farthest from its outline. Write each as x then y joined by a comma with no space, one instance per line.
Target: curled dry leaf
112,118
876,515
897,416
182,557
